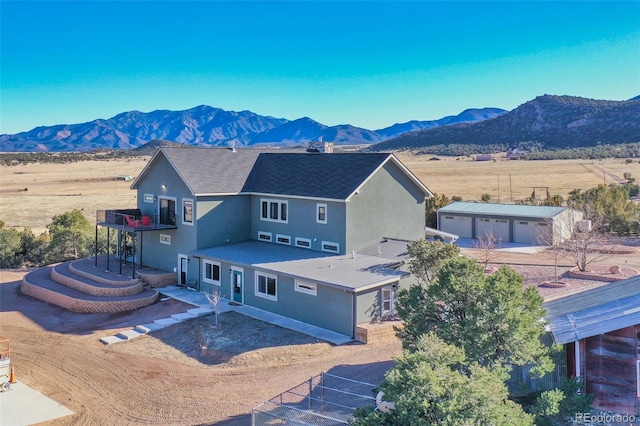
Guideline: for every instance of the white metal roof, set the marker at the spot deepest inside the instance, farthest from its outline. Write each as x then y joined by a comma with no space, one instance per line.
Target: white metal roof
495,209
354,273
596,311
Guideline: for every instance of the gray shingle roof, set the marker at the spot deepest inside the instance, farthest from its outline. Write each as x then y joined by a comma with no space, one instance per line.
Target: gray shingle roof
208,171
596,311
502,209
212,170
334,176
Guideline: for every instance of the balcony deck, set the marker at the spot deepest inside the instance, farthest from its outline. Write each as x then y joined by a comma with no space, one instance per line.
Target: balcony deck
131,220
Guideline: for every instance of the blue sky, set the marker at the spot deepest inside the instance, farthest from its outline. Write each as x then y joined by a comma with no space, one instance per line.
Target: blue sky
369,64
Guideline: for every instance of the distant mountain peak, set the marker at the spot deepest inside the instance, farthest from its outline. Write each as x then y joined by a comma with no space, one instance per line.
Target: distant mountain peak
550,120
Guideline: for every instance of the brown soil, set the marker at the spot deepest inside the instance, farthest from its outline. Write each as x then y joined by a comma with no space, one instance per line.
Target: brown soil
195,372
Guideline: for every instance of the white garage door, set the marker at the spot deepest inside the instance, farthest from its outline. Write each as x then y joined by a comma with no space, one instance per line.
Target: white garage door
499,228
459,225
529,232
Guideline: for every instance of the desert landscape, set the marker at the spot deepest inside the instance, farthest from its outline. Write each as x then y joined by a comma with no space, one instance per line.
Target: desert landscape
199,373
32,194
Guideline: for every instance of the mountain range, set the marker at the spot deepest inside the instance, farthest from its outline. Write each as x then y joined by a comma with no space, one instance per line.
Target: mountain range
208,126
548,120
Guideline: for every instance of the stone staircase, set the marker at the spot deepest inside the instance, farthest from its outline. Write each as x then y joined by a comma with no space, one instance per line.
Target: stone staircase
73,286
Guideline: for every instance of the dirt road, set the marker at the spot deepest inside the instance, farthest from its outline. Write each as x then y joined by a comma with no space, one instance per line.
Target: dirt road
191,373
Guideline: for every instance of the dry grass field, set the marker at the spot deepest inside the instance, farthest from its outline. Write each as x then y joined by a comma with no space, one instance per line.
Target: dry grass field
30,195
508,181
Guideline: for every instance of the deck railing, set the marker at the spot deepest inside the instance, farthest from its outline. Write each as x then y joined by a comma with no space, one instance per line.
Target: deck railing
130,220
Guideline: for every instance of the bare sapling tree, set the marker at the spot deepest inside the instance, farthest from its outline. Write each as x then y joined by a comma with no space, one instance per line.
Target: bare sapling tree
214,299
554,245
487,246
585,235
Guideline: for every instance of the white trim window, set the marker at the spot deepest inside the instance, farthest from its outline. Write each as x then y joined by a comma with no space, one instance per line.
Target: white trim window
283,239
303,242
306,288
274,210
266,286
148,198
211,272
386,302
265,236
187,211
321,213
330,247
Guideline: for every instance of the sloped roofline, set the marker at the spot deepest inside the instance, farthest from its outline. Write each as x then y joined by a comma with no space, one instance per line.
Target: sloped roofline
402,167
390,157
151,162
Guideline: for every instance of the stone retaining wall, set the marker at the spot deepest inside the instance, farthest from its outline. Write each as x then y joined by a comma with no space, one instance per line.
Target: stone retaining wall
375,332
158,279
98,278
92,290
84,306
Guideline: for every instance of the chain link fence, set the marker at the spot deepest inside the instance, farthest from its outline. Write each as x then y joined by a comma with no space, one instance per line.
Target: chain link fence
324,400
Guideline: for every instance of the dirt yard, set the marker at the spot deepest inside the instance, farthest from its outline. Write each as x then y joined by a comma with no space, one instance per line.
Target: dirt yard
198,372
191,373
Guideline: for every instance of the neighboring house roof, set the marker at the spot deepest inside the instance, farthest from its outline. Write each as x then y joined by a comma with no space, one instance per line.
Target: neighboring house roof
493,209
596,311
218,171
354,273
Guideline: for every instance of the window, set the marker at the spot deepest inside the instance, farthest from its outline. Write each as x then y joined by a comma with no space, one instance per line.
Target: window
303,242
321,213
387,301
211,272
165,239
148,198
523,223
501,220
167,211
187,211
264,236
273,210
448,217
307,288
329,246
283,239
484,220
266,286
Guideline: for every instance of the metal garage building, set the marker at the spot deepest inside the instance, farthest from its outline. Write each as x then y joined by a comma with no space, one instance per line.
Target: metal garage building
507,222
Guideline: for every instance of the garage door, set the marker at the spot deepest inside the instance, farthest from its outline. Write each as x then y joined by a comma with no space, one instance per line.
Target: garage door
529,232
459,225
499,228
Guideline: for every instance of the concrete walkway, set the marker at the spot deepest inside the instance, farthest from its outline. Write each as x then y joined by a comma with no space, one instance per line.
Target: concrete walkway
22,405
203,307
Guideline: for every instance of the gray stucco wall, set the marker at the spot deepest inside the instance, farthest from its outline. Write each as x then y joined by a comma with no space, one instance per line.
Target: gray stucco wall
331,308
223,220
183,239
301,221
388,205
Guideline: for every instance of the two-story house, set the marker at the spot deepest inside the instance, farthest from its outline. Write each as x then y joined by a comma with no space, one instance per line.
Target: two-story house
311,236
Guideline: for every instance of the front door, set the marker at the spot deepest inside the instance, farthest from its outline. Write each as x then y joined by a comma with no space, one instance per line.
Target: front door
237,284
182,270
